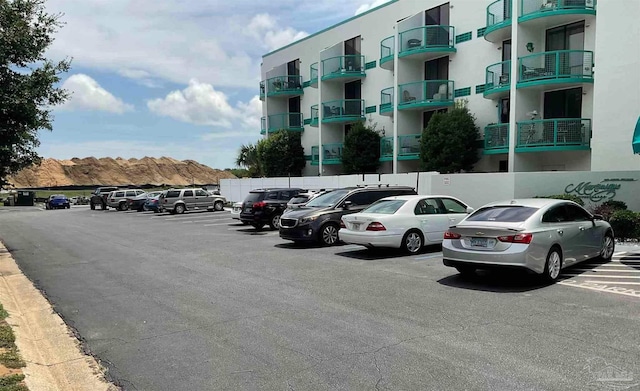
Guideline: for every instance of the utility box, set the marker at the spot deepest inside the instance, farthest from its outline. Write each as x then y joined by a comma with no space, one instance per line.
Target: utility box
25,198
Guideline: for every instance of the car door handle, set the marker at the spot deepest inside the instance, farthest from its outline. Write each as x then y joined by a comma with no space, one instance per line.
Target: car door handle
581,228
560,231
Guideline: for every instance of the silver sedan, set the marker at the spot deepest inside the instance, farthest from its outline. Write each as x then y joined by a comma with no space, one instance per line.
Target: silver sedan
540,235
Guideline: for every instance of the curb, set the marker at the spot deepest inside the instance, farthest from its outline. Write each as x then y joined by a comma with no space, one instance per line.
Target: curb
54,357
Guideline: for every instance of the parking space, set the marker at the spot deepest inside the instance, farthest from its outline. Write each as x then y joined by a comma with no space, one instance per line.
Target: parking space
620,276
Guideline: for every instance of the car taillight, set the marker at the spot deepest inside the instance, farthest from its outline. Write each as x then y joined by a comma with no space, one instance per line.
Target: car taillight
376,227
112,200
260,204
451,235
342,224
518,238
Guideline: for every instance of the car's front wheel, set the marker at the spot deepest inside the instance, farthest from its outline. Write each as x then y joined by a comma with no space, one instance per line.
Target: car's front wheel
608,247
329,234
179,209
218,206
553,265
275,222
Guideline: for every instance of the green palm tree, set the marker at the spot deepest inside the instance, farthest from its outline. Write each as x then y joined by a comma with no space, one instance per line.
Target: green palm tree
249,159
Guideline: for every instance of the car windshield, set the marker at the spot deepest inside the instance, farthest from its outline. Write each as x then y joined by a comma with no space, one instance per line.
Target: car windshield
505,214
328,199
59,197
387,207
299,200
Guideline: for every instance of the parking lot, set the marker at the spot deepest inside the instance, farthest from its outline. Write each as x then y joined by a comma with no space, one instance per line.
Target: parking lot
199,301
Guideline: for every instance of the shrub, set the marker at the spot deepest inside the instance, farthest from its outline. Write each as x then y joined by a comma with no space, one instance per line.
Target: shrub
608,208
361,151
625,224
568,197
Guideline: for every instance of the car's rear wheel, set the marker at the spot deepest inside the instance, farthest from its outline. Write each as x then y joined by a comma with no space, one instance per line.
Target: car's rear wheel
275,222
218,206
123,206
608,247
553,265
412,242
329,234
179,209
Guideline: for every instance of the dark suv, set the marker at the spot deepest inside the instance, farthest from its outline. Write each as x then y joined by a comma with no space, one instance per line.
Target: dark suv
99,197
265,206
319,219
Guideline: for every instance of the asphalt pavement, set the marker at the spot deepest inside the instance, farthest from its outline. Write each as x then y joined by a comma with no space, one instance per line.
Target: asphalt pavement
200,302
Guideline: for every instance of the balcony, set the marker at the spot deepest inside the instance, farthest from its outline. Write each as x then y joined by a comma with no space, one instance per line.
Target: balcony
408,147
547,13
343,68
426,42
284,86
426,94
386,102
342,111
313,75
263,125
331,154
496,139
387,50
565,134
498,21
498,80
557,69
314,116
292,122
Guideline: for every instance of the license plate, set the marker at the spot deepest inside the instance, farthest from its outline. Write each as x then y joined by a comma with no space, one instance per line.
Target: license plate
247,209
479,242
356,226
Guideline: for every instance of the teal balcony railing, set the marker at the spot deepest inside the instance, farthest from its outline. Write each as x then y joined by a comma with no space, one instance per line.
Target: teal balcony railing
532,9
262,90
426,39
313,74
498,78
343,66
343,110
496,139
287,121
498,16
554,134
263,125
560,66
331,154
314,115
387,49
386,100
386,149
426,93
284,85
408,147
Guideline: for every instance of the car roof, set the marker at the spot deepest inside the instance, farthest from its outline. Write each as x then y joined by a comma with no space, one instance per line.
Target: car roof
417,196
530,202
275,189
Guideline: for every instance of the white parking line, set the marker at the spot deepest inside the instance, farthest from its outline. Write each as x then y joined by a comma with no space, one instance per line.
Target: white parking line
607,270
429,256
617,282
599,286
597,276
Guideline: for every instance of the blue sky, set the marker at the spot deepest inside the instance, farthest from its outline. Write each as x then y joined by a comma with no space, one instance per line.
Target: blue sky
169,77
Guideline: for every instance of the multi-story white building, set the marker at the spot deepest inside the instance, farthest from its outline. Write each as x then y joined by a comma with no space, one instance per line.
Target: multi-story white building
554,84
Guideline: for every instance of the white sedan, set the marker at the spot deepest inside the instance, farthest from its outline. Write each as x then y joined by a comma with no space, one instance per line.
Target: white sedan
406,222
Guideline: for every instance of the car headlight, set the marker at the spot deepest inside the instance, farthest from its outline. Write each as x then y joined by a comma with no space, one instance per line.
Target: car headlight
305,220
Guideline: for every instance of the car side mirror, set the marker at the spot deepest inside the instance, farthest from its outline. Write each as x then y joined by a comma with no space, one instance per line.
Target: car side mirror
470,210
346,205
598,217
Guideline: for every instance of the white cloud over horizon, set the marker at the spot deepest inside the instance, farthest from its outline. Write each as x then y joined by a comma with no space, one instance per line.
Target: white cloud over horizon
366,7
265,28
87,94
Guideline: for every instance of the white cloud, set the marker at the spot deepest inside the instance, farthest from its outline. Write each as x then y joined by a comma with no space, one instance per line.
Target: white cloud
250,113
141,77
198,104
270,34
366,7
87,94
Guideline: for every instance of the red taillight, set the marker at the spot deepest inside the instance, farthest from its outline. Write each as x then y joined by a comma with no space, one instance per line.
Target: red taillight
518,238
376,227
451,235
260,204
342,224
112,200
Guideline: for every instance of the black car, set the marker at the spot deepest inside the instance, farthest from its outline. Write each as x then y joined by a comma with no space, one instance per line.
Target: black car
265,206
319,220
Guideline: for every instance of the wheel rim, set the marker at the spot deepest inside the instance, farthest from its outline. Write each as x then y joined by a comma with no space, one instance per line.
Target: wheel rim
554,265
179,209
413,242
275,221
329,234
607,247
217,206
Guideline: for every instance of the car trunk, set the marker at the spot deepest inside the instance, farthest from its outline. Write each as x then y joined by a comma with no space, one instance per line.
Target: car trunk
359,222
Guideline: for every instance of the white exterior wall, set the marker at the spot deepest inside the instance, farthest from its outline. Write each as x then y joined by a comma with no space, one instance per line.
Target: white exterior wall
612,102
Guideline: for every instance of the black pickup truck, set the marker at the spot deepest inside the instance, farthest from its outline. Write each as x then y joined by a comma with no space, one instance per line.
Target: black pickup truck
99,197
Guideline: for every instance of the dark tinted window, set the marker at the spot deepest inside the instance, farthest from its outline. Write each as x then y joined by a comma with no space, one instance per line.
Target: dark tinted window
201,193
555,215
362,198
286,195
253,197
172,193
119,194
131,193
188,193
506,214
427,206
576,213
453,206
272,195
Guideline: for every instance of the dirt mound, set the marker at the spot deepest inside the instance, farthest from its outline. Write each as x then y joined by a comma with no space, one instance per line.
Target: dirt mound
118,171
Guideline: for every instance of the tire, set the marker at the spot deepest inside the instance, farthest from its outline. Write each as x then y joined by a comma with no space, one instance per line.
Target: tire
257,226
328,234
274,223
93,206
608,247
179,209
412,242
68,206
553,266
466,270
218,206
123,206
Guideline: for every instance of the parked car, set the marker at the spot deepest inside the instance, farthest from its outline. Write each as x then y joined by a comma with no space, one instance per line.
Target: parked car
319,220
405,222
140,200
120,199
302,198
99,197
235,211
57,201
153,203
265,206
539,235
182,200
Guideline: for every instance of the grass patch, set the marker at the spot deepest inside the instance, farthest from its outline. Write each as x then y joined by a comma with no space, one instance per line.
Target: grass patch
12,383
7,338
11,359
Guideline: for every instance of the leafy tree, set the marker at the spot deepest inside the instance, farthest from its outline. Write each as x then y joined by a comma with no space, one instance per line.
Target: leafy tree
281,154
249,159
361,150
28,82
239,172
448,144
